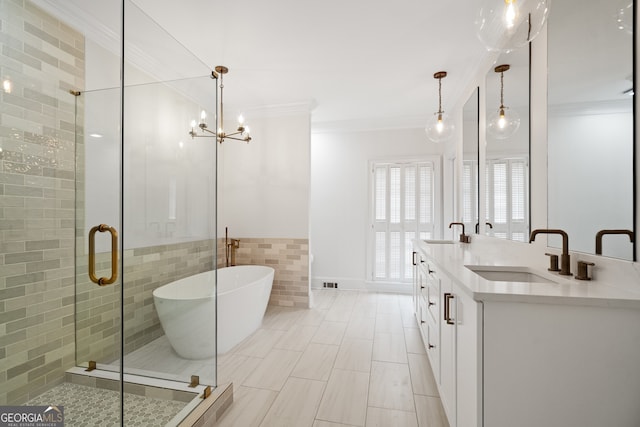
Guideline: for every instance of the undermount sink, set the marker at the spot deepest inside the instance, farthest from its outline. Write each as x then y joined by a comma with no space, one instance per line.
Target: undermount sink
508,274
438,242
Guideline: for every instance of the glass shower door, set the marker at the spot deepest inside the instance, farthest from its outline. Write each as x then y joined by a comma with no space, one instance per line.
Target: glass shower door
168,208
168,234
98,230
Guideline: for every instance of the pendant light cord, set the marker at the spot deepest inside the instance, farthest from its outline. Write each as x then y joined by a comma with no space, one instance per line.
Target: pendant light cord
502,90
440,95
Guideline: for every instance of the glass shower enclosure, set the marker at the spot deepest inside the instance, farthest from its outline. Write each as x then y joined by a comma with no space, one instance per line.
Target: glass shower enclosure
106,198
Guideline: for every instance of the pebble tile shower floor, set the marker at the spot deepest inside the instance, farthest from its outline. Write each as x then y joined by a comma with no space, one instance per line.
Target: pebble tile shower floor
88,406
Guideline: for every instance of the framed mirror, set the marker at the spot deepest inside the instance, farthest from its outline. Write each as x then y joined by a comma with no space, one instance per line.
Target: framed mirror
470,153
507,150
591,124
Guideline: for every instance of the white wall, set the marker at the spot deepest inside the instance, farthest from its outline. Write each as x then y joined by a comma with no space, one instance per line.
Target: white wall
339,214
169,179
590,179
263,188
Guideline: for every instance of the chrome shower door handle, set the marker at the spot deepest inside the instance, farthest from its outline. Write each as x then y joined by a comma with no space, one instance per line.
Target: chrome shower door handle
103,281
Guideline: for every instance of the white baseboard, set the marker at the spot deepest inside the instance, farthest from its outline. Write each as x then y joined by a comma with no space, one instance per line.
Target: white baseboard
361,285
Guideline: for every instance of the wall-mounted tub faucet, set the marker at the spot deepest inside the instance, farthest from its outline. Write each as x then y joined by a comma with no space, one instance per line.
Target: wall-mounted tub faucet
601,233
565,260
463,237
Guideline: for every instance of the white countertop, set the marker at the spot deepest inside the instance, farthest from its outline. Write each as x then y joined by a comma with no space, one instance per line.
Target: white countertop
615,283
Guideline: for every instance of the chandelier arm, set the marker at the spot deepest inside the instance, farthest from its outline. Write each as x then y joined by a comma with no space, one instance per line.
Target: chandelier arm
195,135
235,138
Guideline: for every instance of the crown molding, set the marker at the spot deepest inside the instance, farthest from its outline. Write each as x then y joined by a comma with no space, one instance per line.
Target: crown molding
279,110
86,23
592,108
368,124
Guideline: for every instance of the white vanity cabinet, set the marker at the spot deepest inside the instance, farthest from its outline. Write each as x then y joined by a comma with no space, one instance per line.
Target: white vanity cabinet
448,320
502,359
561,365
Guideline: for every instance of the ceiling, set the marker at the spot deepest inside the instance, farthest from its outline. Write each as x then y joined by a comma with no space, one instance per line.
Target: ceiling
369,62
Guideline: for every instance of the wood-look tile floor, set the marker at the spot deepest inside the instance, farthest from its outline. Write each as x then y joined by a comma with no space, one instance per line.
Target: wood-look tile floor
355,359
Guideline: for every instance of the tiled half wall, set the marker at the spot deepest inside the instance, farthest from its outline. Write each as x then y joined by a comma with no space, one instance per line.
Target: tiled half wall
145,269
289,258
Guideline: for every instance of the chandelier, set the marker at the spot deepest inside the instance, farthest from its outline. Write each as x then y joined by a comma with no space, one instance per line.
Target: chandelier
242,131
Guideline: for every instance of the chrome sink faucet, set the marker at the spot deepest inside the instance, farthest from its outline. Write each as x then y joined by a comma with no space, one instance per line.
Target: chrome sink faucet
463,237
601,233
565,260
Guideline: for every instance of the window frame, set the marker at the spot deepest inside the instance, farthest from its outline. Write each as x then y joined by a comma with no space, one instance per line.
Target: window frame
511,226
437,209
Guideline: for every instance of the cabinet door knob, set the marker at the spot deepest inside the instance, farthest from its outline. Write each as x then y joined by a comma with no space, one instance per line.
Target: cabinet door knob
431,346
431,303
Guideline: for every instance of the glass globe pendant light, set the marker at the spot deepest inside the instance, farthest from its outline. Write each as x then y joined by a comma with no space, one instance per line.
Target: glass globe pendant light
439,126
504,122
506,25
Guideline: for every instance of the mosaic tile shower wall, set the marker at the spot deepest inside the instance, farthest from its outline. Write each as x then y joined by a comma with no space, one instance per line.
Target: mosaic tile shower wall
290,259
41,59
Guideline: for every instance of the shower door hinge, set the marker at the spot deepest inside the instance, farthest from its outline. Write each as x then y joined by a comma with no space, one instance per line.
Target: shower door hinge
195,381
92,365
207,392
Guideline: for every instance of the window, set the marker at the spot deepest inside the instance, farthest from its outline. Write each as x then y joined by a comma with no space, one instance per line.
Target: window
403,208
506,203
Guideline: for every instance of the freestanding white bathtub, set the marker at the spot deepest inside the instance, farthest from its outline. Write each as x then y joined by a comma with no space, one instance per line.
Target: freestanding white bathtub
187,309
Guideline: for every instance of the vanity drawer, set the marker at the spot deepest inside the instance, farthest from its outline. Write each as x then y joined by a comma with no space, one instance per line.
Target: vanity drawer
423,318
432,345
432,297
